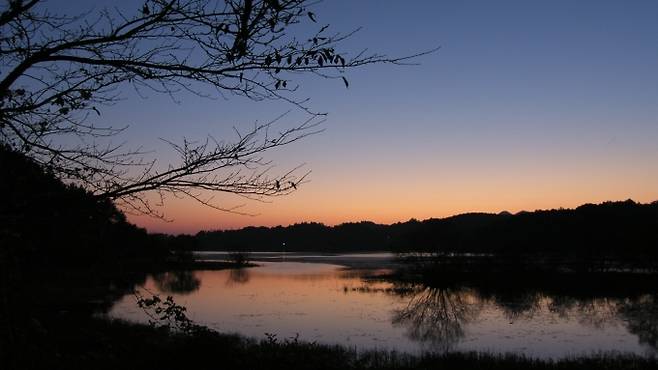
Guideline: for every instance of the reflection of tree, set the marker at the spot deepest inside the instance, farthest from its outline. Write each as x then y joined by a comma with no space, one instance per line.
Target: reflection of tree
518,305
594,312
180,282
238,276
641,314
562,305
599,312
437,315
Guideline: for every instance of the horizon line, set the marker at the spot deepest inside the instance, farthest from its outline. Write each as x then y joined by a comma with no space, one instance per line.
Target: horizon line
410,219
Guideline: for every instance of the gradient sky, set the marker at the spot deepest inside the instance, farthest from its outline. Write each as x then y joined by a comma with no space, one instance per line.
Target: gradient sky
527,105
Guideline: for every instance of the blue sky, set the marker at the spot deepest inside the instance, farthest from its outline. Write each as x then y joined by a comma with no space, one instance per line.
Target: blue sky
527,105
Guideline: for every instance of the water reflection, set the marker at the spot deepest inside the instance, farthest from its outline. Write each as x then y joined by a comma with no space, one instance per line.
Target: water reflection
595,312
438,315
366,309
641,315
238,276
178,282
517,306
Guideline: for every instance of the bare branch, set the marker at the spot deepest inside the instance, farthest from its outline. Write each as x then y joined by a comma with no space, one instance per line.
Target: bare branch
59,72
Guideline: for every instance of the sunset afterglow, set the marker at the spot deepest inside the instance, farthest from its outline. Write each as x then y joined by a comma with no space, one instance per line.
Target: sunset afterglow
512,113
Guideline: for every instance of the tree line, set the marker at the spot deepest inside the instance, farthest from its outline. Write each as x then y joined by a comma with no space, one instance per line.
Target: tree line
621,229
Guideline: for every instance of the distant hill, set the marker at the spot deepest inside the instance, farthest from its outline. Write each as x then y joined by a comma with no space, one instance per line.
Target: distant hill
621,228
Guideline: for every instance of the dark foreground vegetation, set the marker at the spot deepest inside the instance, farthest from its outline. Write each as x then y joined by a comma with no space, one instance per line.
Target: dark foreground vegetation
102,344
66,256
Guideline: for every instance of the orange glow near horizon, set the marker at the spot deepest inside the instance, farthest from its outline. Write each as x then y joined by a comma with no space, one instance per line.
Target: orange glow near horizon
370,197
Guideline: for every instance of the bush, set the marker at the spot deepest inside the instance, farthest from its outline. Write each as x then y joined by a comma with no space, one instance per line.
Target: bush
240,258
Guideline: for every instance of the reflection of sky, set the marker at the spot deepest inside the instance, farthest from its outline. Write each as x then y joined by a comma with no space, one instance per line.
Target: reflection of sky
321,302
527,105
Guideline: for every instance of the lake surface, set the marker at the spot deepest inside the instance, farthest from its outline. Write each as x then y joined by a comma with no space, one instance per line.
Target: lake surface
344,299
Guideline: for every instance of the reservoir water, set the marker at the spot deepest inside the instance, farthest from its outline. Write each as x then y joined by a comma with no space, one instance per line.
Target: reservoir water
348,300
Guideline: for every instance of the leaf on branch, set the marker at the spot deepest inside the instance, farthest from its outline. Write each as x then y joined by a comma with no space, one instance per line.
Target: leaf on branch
274,4
81,61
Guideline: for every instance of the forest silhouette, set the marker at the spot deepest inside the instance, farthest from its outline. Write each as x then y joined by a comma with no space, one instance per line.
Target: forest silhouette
623,230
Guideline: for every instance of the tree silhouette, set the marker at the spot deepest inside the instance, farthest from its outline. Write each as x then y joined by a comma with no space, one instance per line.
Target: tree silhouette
59,71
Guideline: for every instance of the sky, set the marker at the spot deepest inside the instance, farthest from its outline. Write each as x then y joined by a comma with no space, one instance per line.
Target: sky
527,105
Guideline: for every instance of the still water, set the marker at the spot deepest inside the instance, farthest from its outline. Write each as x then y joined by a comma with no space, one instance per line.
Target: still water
321,299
